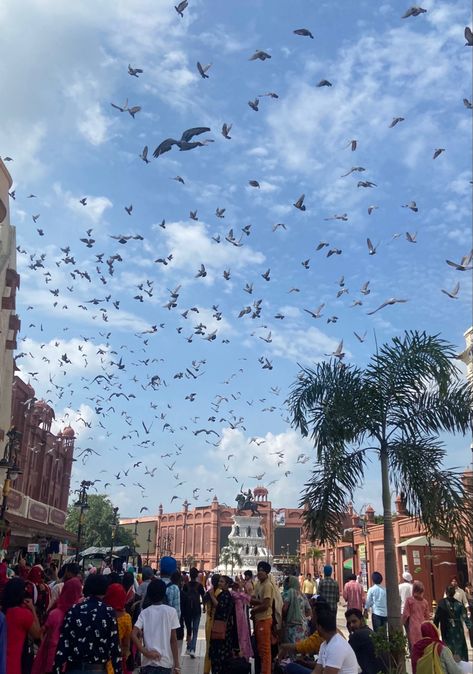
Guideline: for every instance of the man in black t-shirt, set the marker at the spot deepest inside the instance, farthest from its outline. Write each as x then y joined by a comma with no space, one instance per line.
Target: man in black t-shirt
193,594
361,642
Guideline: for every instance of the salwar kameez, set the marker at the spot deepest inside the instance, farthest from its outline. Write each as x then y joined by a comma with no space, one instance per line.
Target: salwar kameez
221,650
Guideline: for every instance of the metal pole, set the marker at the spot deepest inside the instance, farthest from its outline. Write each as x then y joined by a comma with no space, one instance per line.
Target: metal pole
432,579
114,525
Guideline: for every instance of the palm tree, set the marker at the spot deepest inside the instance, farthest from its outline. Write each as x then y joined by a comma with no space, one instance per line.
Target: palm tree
393,409
315,554
230,555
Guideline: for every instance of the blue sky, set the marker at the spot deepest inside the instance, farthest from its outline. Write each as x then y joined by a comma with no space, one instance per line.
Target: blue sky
62,68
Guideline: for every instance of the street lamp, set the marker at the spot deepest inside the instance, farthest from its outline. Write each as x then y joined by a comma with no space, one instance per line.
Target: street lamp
82,504
9,469
148,540
114,533
135,536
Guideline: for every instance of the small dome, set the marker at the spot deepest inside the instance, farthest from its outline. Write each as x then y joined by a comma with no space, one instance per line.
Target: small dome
68,432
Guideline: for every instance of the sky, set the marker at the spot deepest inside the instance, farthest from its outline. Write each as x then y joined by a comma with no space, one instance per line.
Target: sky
135,344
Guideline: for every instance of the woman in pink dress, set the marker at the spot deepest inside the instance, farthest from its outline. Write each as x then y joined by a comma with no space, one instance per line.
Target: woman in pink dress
71,594
416,611
242,600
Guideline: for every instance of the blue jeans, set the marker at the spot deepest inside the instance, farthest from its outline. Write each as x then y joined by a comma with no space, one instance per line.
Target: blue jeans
155,669
194,625
378,621
294,668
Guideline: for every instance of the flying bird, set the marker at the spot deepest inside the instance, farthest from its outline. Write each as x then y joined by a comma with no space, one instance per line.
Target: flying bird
395,121
226,128
134,72
180,7
387,303
324,83
203,69
144,155
413,11
259,55
468,37
453,294
305,32
300,203
254,104
438,152
184,142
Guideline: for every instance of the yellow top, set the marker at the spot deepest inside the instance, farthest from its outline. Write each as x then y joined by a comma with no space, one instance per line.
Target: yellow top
311,645
264,590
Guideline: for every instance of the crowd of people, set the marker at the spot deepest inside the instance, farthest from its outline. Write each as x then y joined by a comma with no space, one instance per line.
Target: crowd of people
80,619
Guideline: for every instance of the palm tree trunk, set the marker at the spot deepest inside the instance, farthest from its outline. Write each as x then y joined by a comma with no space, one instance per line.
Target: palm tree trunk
392,591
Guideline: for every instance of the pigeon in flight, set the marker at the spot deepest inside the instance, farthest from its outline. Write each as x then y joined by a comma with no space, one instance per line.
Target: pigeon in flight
254,104
134,72
180,7
387,303
395,121
453,294
184,143
226,128
413,11
438,152
203,69
300,203
468,37
144,155
259,55
324,83
304,32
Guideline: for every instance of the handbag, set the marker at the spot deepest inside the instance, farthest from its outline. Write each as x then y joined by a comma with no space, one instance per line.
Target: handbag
237,666
219,630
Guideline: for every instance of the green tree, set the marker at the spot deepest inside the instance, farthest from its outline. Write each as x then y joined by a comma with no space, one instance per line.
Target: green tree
315,554
393,409
97,523
230,556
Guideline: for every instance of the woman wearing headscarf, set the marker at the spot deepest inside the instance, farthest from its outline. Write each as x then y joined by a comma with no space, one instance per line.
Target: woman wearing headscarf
221,649
295,611
21,621
71,594
128,582
451,615
115,597
40,590
242,601
416,611
430,654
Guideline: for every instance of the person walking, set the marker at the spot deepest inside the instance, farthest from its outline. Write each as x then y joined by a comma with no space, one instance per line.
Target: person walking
405,588
353,593
154,633
70,595
21,622
194,595
430,652
451,616
242,600
167,567
223,643
376,601
209,608
115,597
89,634
329,589
416,611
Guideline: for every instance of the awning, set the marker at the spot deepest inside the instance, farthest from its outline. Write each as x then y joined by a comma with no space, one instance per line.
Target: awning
348,564
28,528
423,541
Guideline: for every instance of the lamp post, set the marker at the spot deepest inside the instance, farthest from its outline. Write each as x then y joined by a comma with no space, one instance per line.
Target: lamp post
9,469
135,536
148,541
82,504
114,533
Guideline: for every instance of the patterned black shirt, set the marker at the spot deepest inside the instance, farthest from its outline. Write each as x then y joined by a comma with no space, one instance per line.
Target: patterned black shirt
89,634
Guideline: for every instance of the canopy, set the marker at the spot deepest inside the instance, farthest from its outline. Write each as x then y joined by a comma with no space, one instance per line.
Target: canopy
424,541
120,551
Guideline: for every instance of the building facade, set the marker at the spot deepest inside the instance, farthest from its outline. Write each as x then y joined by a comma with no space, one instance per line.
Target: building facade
37,503
9,321
197,535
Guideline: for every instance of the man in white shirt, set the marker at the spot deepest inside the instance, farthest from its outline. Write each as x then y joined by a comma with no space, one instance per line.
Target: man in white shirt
335,655
154,633
405,588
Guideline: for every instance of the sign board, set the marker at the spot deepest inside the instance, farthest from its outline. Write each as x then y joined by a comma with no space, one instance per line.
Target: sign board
33,547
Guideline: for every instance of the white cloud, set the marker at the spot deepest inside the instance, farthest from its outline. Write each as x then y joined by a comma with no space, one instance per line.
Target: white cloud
301,345
74,418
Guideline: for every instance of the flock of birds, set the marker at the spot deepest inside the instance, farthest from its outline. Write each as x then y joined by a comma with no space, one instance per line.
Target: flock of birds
132,373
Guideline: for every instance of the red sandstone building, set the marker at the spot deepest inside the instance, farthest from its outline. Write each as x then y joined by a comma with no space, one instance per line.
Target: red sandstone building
37,503
196,537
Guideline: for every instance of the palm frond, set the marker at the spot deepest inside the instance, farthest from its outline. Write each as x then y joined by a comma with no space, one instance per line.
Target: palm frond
329,491
410,363
332,401
432,410
440,497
